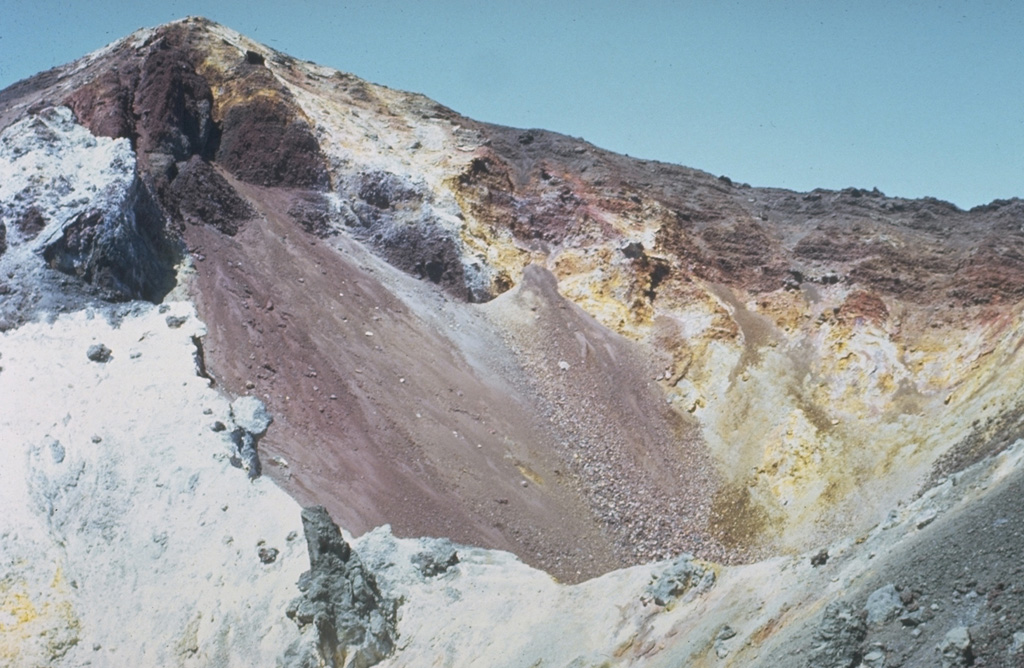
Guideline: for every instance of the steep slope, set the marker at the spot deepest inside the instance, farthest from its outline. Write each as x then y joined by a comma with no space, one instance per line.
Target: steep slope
516,340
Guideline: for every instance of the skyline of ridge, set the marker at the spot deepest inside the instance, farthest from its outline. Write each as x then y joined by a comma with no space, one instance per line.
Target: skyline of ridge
914,100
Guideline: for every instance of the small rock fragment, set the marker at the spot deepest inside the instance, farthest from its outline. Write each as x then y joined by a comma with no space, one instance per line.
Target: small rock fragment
176,321
268,555
99,353
913,618
873,659
724,634
820,559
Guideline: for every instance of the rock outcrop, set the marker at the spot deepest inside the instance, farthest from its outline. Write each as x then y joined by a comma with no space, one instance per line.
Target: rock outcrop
82,224
354,625
251,422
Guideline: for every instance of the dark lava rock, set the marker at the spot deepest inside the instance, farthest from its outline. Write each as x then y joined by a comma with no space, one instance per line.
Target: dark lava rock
173,101
31,222
201,196
128,255
353,622
820,559
384,190
104,105
176,321
390,218
312,212
99,353
246,452
266,141
268,555
253,58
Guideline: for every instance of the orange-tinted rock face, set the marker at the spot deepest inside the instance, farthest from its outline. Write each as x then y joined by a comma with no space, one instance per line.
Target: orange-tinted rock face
694,364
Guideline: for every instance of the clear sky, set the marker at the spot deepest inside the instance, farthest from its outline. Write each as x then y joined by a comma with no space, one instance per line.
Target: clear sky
915,98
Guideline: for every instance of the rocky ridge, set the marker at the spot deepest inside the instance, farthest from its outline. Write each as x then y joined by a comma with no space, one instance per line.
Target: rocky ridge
590,360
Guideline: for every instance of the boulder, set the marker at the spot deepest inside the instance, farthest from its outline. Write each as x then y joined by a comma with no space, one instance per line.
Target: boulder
883,605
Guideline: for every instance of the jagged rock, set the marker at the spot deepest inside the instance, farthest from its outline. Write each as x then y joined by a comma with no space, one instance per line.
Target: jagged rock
121,250
883,605
956,648
251,422
99,353
820,559
246,455
838,638
313,212
353,622
437,560
75,204
680,577
201,196
264,140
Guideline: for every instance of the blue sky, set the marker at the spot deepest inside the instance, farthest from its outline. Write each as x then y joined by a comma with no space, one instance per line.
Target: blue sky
915,98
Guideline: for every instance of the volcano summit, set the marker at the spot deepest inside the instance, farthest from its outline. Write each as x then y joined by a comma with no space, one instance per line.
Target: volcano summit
682,420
